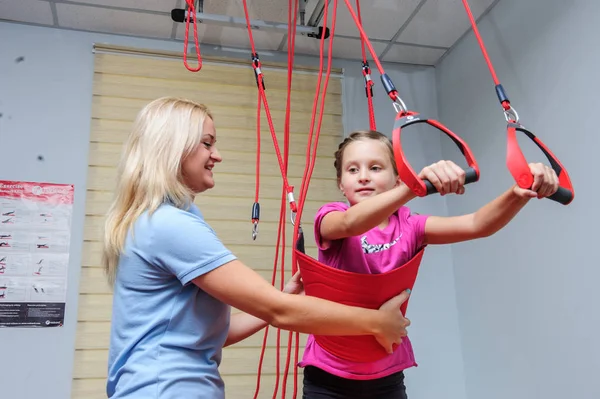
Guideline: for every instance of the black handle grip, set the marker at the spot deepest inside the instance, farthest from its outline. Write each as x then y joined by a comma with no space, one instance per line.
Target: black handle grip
562,196
470,177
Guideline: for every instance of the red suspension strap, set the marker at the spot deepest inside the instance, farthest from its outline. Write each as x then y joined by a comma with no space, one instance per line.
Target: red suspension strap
293,9
405,118
256,64
256,205
366,71
385,80
311,155
191,15
287,192
515,160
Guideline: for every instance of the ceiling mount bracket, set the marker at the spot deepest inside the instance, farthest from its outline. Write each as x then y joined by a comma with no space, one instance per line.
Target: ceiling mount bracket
181,15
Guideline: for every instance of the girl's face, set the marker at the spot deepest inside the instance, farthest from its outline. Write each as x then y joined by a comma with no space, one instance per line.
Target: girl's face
367,170
197,166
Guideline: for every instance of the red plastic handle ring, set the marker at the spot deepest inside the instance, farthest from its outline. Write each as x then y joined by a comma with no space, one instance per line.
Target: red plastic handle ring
407,174
519,168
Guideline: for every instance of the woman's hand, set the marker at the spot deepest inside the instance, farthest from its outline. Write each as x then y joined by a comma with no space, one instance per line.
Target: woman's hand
394,323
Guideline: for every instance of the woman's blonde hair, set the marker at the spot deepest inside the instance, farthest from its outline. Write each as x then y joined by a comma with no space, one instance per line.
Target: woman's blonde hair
164,132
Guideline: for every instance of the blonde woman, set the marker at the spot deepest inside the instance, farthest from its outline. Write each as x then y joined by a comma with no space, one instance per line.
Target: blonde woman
174,281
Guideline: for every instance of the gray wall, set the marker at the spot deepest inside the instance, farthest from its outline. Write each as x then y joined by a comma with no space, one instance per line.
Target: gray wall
528,296
46,107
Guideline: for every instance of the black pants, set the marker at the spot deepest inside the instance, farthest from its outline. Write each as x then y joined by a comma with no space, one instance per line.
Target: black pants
319,384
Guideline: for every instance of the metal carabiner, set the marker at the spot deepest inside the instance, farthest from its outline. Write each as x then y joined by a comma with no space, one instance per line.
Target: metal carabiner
293,218
511,112
399,105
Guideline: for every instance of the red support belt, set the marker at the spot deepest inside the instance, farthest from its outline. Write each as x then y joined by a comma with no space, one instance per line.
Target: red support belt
356,289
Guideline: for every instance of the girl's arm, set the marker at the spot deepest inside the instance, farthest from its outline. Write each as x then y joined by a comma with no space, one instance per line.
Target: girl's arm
493,216
365,215
446,176
241,326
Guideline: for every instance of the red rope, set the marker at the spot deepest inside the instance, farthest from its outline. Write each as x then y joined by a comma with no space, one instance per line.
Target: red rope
364,37
505,103
287,192
260,83
257,150
367,75
392,93
311,154
362,42
191,15
292,24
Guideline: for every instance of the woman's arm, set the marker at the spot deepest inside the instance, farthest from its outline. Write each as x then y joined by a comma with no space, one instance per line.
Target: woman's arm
243,325
239,286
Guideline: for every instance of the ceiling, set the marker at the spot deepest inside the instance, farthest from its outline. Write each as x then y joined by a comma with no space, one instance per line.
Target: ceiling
403,31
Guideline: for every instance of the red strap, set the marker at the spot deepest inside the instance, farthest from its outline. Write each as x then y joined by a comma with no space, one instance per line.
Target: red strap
356,289
260,82
255,218
503,99
389,87
311,157
366,70
516,162
287,189
191,15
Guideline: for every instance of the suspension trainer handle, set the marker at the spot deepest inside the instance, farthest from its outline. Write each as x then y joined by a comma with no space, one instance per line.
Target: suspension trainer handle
519,168
422,187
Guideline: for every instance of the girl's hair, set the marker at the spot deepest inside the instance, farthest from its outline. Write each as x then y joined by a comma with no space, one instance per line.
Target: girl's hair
362,135
164,132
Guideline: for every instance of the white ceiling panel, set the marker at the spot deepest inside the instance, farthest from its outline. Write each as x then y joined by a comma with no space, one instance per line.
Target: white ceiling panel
150,5
412,54
441,22
381,19
266,10
342,47
413,31
32,11
230,37
113,21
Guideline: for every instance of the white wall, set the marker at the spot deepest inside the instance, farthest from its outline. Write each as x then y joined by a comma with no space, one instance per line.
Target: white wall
46,105
528,296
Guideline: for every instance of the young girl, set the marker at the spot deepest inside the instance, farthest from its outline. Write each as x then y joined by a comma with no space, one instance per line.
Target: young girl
377,233
174,280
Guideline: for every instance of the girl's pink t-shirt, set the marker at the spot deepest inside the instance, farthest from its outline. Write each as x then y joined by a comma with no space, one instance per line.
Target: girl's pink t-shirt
376,251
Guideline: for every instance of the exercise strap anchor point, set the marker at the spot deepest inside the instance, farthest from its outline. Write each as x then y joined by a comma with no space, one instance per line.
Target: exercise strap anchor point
515,160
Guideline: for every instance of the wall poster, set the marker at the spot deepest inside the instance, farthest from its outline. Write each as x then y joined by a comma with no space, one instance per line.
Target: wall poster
35,233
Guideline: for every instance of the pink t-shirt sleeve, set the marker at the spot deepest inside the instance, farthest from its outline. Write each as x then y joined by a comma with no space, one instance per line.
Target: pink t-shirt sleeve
417,222
324,210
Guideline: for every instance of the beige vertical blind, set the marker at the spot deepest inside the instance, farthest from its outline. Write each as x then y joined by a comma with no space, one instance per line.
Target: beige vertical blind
127,79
